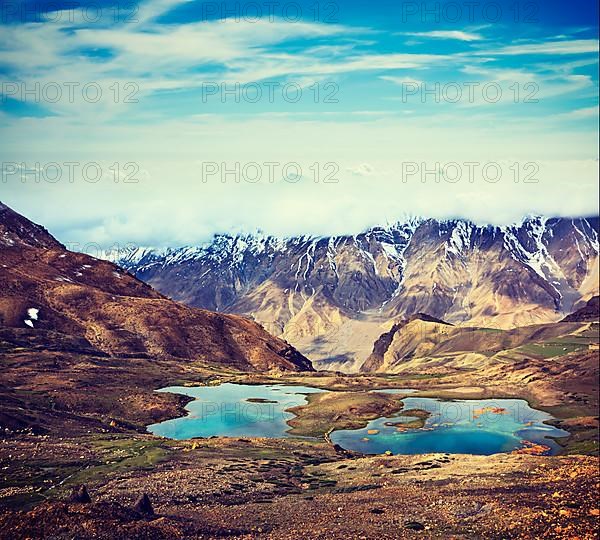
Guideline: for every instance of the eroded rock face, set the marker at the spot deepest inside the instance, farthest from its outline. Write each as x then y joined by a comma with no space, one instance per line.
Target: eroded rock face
331,296
47,289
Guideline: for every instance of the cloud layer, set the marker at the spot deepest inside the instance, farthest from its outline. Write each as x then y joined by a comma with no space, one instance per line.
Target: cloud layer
357,104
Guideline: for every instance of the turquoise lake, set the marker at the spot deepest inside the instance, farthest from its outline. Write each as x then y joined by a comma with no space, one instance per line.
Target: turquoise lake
486,426
458,426
224,411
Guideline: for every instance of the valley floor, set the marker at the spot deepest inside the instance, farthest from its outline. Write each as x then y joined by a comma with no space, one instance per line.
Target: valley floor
290,489
71,418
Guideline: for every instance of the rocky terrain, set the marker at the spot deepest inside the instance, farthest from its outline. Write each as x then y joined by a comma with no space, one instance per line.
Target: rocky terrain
587,313
333,297
276,488
50,292
72,418
288,490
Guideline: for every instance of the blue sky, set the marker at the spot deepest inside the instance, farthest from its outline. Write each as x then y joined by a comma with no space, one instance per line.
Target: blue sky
372,87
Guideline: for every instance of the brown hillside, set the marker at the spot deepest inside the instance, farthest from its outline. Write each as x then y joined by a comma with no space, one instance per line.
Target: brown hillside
77,295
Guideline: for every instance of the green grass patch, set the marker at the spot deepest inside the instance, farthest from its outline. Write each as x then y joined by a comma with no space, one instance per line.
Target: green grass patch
54,477
551,349
588,447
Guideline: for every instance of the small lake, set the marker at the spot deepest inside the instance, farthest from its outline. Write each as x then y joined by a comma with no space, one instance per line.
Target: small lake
458,426
474,426
225,411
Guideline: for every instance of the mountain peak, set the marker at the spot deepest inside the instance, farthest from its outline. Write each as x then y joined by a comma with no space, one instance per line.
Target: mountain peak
17,230
588,313
428,318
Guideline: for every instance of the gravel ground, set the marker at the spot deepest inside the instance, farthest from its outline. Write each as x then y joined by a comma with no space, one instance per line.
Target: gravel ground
285,489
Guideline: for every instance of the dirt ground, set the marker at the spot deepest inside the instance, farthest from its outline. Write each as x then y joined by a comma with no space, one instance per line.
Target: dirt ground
289,489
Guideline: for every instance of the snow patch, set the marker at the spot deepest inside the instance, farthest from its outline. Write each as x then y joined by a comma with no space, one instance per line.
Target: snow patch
460,239
390,251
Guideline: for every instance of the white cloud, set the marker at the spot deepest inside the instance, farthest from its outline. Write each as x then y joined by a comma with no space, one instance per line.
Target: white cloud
445,34
168,57
528,86
172,204
577,46
578,114
364,169
402,80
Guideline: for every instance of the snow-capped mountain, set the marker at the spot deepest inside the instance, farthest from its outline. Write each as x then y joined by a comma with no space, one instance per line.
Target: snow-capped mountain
331,295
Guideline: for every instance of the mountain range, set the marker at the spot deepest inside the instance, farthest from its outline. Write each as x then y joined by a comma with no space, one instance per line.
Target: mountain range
84,345
333,297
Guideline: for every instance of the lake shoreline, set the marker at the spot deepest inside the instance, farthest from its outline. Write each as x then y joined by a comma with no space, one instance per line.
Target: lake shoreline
323,414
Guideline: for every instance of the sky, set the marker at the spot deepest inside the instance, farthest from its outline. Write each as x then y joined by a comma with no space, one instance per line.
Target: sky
163,122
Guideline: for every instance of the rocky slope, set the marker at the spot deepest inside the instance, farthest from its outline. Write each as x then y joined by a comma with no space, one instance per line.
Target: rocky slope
332,297
47,291
422,344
